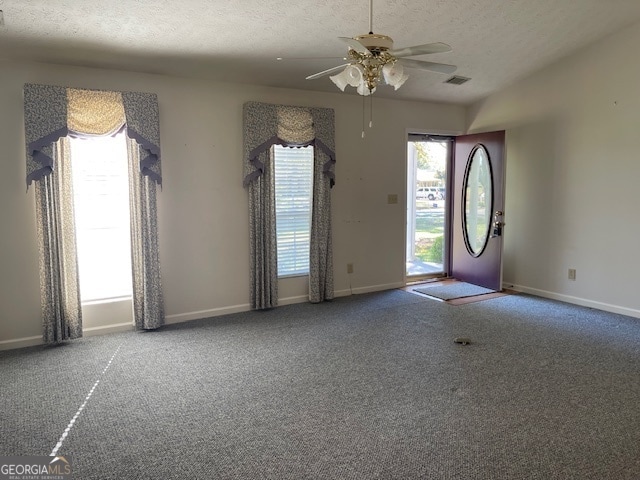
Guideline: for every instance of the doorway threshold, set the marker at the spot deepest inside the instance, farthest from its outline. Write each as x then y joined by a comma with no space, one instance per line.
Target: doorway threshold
454,301
412,282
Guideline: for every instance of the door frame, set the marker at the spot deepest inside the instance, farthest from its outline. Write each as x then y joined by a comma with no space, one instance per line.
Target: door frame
448,203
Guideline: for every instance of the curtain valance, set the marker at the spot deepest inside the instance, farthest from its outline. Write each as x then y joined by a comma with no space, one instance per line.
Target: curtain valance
268,124
94,112
52,112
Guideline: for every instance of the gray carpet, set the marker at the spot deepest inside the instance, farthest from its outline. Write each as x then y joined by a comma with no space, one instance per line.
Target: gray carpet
450,291
368,386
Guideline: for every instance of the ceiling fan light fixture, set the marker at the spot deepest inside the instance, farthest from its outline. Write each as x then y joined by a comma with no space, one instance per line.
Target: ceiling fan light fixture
364,90
354,74
373,59
394,75
341,79
400,81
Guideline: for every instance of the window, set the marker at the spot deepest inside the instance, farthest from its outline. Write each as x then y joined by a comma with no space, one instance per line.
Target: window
101,204
293,189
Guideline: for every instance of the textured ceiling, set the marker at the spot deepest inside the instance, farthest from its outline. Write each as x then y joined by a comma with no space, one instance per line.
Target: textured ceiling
494,42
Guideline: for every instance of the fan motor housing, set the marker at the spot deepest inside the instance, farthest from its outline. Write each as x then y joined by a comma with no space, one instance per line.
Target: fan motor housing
375,42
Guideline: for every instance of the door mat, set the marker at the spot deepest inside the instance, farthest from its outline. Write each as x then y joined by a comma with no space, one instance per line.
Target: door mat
454,290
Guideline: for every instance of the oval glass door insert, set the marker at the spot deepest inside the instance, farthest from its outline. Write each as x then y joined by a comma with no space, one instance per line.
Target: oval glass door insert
478,197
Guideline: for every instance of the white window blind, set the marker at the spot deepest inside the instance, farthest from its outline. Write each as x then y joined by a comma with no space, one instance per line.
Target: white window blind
293,188
101,203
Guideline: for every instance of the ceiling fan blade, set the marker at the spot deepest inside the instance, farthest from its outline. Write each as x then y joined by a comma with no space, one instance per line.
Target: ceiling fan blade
421,50
326,72
356,45
430,66
283,59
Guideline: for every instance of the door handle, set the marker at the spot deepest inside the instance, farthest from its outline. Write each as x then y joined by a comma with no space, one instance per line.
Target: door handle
497,229
497,224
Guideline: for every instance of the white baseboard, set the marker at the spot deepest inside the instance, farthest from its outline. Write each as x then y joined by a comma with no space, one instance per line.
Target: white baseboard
103,330
292,300
20,342
583,302
200,314
87,332
378,288
372,288
216,312
344,293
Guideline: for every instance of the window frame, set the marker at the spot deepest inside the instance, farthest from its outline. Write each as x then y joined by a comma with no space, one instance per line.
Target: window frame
299,161
121,224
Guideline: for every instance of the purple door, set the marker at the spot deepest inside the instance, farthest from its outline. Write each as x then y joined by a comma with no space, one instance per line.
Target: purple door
478,209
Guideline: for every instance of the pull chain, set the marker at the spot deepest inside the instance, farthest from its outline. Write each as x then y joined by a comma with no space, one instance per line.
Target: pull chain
363,105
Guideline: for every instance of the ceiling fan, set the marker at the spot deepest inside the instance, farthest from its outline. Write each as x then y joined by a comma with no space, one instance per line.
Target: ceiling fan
372,58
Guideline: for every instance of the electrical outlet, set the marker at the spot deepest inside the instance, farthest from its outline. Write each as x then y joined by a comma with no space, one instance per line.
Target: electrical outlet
349,267
392,198
572,274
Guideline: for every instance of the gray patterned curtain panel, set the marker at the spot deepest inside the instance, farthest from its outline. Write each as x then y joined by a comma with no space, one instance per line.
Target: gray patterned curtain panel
148,300
46,119
266,125
59,293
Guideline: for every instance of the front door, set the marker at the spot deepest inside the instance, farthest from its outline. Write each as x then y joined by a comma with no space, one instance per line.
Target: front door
478,209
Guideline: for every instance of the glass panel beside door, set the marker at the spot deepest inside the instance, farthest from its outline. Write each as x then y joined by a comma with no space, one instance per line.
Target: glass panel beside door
428,163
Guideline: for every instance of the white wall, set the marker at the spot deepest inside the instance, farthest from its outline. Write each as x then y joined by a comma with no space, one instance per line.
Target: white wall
203,216
573,167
